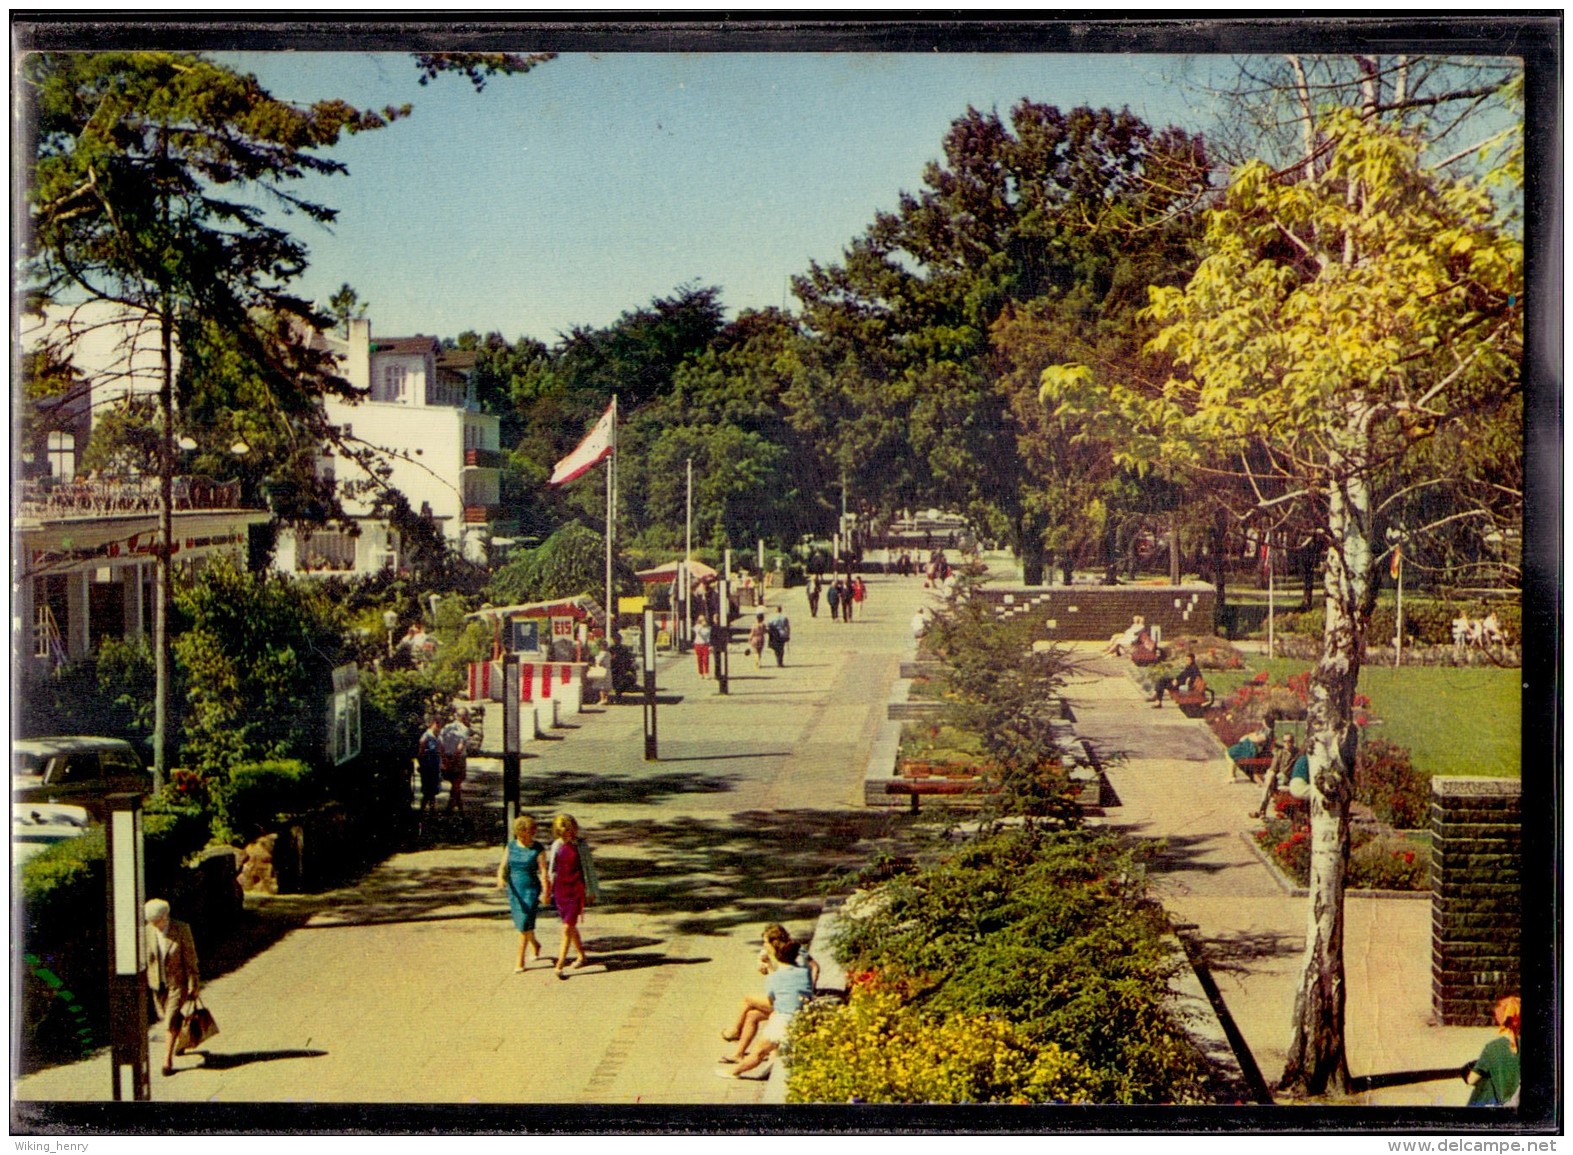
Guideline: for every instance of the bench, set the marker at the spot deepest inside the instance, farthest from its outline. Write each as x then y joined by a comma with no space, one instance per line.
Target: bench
1193,701
917,788
1256,767
1146,655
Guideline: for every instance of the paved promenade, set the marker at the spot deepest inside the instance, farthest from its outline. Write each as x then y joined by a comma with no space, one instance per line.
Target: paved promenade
400,989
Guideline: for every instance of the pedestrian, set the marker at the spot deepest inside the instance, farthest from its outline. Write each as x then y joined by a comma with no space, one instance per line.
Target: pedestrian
522,872
813,596
571,875
789,987
920,622
847,597
779,631
833,599
428,758
859,592
173,975
1494,1076
454,741
702,646
756,637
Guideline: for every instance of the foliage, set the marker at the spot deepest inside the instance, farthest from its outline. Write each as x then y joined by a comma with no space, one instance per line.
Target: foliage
1377,860
108,693
256,651
570,562
63,880
172,832
1387,782
879,1049
1007,692
394,707
257,793
1049,930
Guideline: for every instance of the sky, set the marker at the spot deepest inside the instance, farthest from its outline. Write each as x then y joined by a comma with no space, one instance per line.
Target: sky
599,182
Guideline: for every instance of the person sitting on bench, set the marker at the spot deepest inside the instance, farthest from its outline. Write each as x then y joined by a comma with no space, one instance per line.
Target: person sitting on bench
1128,640
1287,772
1186,679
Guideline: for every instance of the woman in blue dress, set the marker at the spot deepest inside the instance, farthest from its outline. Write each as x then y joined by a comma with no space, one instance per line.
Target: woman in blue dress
522,872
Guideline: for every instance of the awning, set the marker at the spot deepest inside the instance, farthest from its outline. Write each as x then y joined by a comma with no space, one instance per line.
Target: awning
581,607
665,573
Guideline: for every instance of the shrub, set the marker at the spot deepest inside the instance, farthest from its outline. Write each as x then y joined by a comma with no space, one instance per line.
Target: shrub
258,793
1390,862
878,1049
1387,781
171,833
1050,931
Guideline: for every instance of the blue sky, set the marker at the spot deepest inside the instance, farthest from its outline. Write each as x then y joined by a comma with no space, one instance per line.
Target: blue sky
600,181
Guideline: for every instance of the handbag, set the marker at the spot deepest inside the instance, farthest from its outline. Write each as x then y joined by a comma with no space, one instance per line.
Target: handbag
196,1026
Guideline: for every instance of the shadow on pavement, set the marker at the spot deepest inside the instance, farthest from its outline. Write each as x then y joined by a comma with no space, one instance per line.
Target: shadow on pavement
588,789
642,960
710,875
220,1061
1236,953
1401,1078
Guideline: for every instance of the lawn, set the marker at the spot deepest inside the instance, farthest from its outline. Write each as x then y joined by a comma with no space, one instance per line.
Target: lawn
1455,721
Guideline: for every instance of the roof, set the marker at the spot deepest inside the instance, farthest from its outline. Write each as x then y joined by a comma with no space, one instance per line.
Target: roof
579,606
416,344
668,571
459,360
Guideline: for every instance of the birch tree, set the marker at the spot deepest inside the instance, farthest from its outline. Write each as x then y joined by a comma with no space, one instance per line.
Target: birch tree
1343,314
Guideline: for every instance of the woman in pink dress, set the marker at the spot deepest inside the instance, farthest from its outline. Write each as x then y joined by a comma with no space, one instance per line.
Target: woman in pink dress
574,885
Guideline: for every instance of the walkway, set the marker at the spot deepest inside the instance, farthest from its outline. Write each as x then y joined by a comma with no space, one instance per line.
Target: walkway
1174,783
401,988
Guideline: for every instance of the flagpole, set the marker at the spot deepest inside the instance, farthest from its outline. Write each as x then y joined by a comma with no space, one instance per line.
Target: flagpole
611,522
1398,637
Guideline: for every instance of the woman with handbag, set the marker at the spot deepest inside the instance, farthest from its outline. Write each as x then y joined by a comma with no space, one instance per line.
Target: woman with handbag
172,973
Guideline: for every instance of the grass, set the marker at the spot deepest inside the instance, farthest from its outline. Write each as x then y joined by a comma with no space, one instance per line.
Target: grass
1455,721
948,746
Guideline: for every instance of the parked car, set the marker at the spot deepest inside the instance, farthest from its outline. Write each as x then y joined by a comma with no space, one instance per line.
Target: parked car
77,770
36,827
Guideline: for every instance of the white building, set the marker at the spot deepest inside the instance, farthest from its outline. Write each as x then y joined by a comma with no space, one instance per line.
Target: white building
420,417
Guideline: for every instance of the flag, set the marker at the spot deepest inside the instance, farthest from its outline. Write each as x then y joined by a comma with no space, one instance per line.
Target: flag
594,449
1398,561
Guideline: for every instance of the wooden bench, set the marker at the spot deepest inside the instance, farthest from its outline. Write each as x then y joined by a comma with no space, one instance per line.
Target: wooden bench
1193,701
1146,656
918,788
1256,767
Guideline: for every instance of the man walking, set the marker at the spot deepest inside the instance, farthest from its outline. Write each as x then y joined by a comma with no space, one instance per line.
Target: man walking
779,631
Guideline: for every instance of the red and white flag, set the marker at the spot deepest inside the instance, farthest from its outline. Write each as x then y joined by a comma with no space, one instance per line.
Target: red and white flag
594,449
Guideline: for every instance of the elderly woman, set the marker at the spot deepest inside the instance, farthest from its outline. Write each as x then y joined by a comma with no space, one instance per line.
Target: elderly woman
522,873
172,973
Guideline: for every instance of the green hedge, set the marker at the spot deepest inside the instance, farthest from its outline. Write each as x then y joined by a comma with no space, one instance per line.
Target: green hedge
259,792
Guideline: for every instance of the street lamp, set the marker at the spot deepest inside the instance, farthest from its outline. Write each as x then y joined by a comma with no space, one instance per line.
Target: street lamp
390,621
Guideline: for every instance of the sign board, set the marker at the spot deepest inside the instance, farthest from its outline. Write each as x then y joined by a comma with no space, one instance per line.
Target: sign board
524,635
630,605
562,628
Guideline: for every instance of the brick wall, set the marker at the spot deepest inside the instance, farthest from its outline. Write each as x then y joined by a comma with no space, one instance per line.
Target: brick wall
1475,903
1097,613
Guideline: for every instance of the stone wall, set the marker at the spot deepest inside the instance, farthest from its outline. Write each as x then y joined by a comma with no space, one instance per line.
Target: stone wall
1097,613
1475,907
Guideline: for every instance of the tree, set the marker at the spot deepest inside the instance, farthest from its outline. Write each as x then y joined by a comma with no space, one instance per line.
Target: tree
570,562
346,306
146,180
1342,316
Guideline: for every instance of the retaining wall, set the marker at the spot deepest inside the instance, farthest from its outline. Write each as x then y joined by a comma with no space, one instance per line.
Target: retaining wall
1097,613
1476,904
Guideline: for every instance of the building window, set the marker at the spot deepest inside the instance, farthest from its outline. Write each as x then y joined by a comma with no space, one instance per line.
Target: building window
62,454
395,383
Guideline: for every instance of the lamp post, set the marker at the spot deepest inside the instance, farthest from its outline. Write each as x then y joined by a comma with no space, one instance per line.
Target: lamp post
390,620
129,1074
647,648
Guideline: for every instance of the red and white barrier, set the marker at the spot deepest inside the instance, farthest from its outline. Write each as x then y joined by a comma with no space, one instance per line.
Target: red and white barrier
553,690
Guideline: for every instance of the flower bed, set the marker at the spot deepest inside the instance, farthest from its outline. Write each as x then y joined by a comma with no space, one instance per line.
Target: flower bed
1379,859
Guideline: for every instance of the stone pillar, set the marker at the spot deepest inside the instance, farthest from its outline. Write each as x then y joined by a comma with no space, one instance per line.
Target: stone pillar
1475,896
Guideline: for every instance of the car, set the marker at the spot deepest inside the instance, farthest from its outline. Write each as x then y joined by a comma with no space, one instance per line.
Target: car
77,770
36,827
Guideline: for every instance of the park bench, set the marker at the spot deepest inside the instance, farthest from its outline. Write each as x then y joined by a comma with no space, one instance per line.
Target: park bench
918,788
1254,768
1193,701
1148,655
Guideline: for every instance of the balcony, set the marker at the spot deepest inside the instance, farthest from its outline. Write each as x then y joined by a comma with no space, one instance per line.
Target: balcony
48,498
480,514
482,459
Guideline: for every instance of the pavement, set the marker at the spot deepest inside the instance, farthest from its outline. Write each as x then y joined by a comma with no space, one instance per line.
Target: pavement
400,988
